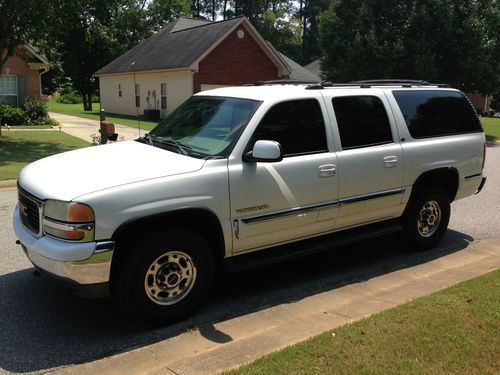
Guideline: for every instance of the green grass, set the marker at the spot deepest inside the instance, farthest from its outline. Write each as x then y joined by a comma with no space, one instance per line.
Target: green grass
20,148
14,127
454,331
491,127
77,110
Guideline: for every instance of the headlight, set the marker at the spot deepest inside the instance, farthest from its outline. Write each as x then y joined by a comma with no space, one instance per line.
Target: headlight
68,220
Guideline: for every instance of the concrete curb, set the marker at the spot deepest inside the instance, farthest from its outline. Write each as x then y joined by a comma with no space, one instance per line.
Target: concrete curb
492,143
8,184
251,336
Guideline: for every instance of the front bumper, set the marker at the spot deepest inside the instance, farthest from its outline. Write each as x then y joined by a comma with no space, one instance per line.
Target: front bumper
81,266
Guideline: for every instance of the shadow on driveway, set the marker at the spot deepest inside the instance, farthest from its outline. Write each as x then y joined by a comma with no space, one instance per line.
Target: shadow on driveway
42,327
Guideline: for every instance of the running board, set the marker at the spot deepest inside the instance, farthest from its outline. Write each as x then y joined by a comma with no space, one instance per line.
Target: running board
310,246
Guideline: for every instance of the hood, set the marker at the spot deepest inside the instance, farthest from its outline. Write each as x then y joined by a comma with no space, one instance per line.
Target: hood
72,174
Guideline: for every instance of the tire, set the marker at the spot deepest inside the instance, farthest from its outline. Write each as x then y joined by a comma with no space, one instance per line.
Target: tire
426,219
165,278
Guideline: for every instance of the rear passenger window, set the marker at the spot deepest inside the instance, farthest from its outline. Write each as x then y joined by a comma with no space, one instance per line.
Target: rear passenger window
297,125
432,113
362,121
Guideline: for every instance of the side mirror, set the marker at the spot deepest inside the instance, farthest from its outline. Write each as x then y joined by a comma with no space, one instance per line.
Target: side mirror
265,151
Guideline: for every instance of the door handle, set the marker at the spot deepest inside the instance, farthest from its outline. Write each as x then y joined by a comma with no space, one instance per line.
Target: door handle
327,170
390,161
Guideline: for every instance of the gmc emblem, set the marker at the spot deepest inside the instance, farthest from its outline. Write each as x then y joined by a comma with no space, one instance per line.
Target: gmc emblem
23,208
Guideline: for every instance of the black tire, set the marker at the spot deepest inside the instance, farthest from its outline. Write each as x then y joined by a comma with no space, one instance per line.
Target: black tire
169,256
422,229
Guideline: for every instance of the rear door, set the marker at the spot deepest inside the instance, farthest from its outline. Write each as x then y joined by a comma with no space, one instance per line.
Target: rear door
370,157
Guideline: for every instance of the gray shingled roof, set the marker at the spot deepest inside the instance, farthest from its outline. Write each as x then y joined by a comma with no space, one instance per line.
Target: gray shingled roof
298,72
314,67
177,45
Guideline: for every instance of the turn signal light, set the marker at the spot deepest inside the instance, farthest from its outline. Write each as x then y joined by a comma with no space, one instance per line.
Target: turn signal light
72,235
80,213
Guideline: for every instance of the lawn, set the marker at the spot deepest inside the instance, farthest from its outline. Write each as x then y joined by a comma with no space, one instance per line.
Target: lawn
14,127
491,127
454,331
77,110
20,148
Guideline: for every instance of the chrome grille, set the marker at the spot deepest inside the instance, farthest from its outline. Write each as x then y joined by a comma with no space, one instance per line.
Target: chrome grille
29,210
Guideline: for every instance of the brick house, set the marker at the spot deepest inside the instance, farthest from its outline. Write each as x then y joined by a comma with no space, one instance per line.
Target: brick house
480,102
21,75
188,56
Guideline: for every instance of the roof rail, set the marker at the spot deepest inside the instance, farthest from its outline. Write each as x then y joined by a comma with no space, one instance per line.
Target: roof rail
377,82
281,82
318,85
397,82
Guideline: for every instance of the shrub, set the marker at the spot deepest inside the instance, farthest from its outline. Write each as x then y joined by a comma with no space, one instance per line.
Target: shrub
12,115
36,109
69,98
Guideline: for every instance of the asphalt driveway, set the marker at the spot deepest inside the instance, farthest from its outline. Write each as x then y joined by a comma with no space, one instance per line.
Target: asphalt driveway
43,328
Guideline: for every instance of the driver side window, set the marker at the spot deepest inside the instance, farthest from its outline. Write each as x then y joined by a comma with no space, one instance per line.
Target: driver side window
297,125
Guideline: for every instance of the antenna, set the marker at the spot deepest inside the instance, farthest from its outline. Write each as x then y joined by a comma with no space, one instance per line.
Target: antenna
135,94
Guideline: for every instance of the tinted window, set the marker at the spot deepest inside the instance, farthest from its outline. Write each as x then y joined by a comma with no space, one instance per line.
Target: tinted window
362,121
204,126
297,125
433,113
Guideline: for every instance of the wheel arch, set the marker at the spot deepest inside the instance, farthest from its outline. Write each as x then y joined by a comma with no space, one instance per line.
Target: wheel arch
201,220
446,178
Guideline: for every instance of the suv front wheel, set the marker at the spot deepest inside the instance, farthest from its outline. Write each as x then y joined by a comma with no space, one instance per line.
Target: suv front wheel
426,219
165,278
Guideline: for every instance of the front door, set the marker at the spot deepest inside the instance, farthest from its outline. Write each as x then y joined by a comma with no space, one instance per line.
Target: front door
277,202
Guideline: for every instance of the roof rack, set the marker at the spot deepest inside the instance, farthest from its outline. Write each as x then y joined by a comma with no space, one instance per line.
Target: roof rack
319,85
281,82
377,82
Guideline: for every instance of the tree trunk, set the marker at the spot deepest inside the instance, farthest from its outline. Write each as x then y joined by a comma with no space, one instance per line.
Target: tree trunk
225,9
304,30
87,101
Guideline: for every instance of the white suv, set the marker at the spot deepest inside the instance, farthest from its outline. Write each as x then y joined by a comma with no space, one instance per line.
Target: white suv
244,176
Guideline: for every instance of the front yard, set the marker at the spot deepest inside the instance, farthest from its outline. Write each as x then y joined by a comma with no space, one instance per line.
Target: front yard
491,127
77,110
18,148
455,331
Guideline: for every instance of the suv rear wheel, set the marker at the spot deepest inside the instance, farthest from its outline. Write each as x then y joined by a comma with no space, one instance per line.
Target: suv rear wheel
165,278
426,219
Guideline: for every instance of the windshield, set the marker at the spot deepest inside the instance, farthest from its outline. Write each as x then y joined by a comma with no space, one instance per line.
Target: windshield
204,126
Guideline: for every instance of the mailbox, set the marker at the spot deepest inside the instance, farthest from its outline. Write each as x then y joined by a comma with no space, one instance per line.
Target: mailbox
107,131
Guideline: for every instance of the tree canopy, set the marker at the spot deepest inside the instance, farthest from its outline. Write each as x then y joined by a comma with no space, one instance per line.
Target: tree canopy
451,41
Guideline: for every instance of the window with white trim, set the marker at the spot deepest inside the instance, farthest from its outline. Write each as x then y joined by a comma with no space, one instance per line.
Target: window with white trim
8,89
163,96
137,95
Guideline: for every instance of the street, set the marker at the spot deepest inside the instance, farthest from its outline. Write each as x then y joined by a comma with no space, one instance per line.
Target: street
43,327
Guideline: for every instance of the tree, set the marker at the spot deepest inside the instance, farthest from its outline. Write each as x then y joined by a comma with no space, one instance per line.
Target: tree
452,41
22,22
160,12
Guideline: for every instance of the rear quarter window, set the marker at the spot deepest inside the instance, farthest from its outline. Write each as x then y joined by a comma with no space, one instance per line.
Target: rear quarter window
433,113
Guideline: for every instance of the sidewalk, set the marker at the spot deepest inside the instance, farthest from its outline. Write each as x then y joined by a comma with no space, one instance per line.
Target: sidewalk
83,128
251,336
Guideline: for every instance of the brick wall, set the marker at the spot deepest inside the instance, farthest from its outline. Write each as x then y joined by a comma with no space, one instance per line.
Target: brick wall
16,65
235,61
479,101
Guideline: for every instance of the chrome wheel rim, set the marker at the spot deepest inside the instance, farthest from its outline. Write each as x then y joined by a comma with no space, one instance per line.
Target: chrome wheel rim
429,218
170,278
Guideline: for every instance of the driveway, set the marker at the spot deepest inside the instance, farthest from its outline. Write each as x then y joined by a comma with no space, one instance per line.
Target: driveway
43,328
84,128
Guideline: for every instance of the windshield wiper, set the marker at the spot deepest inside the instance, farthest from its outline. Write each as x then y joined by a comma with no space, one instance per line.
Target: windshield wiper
179,147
